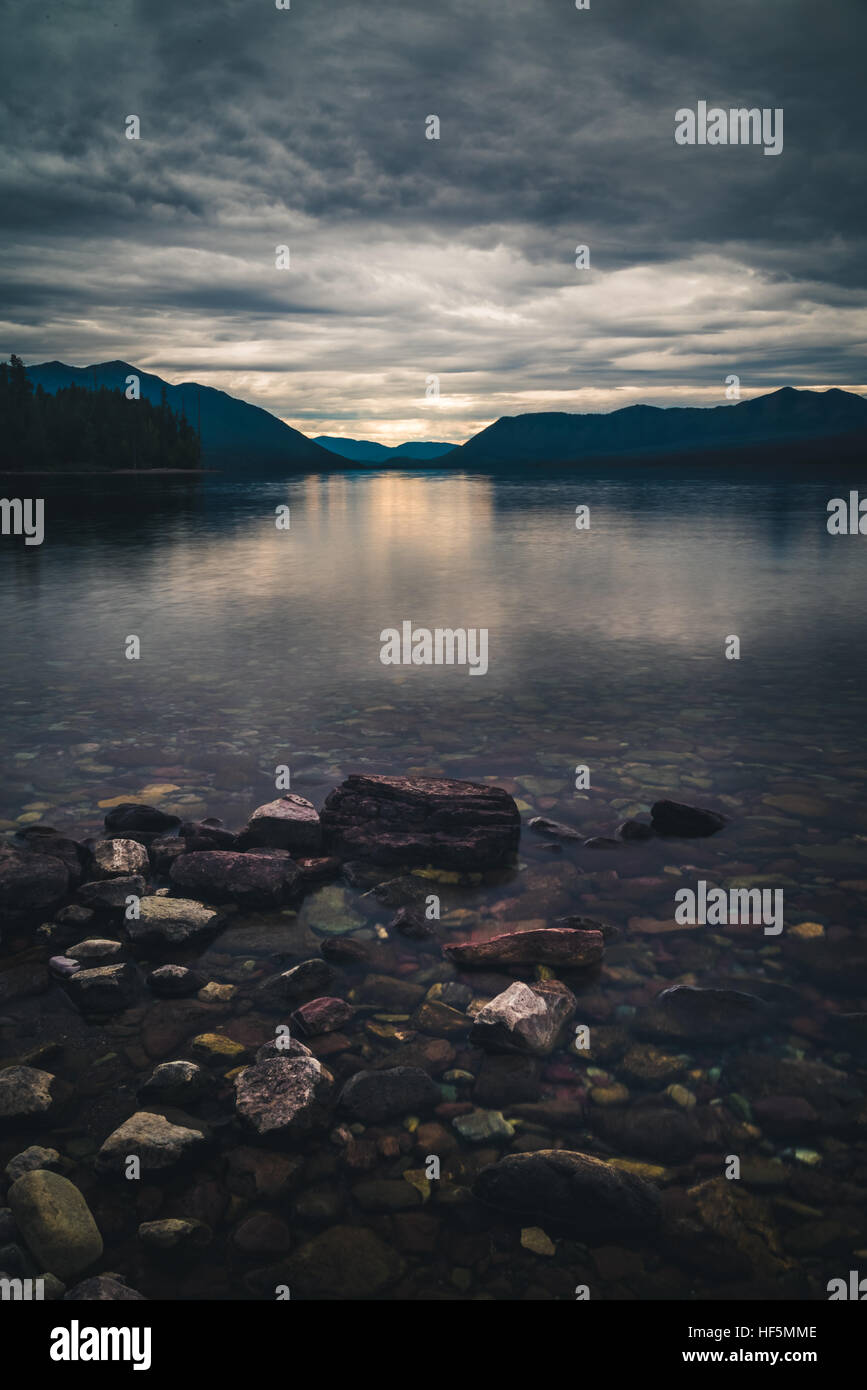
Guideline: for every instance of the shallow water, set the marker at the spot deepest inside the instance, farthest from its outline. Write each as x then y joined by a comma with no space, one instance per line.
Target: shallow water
260,647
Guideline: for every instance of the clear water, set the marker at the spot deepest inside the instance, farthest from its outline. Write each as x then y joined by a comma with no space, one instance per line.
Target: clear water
260,647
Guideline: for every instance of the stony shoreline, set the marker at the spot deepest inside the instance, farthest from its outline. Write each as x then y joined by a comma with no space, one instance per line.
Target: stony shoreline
335,1113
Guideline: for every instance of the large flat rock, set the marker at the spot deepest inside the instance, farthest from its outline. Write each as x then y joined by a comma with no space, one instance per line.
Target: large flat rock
543,946
406,820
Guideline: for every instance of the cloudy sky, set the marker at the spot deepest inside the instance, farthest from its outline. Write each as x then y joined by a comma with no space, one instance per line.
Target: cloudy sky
455,258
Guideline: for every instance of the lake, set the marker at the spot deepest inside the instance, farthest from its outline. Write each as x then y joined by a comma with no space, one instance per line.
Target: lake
260,648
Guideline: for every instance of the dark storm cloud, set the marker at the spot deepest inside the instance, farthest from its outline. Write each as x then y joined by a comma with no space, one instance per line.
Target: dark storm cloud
455,257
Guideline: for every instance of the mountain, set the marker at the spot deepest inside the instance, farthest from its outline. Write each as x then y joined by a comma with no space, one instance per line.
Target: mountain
366,451
232,430
790,420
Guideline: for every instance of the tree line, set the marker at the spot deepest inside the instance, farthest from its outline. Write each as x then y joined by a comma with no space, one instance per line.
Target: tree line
74,428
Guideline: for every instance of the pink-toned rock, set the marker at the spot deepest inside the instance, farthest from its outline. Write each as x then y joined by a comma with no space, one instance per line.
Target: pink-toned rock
545,946
323,1015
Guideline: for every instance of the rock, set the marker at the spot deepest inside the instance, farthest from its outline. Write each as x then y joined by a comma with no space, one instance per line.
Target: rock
27,1095
30,883
411,922
483,1125
104,989
345,950
734,1232
524,1018
675,818
786,1117
261,1233
375,1096
533,1238
390,993
161,1140
103,1288
711,1015
74,915
129,816
55,846
543,946
283,1095
28,1159
576,1188
555,828
174,981
96,949
110,894
760,1076
310,977
206,834
259,1173
318,869
174,1233
176,1083
290,823
216,1048
601,842
652,1131
322,1016
635,830
251,880
56,1222
506,1079
173,921
62,967
119,858
283,1046
650,1065
403,820
344,1262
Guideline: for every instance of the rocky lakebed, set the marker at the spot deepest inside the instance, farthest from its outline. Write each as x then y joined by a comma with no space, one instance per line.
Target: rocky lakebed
409,1045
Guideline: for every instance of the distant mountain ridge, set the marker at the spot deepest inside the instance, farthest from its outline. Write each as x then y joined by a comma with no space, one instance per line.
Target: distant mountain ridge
368,451
783,424
231,429
782,417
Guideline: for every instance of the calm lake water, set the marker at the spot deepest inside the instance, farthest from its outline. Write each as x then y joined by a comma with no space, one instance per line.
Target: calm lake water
261,647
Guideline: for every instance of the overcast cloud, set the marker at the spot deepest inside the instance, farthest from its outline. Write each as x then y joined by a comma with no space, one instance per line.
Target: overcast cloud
413,257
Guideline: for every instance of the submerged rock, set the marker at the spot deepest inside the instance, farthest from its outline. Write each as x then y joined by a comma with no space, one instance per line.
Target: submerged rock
323,1015
344,1262
161,1140
310,977
119,858
404,820
104,989
131,816
176,1083
525,1018
250,880
290,823
283,1095
576,1188
110,894
172,920
56,1222
96,948
544,945
555,828
30,883
103,1288
375,1096
676,818
712,1015
27,1095
174,981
